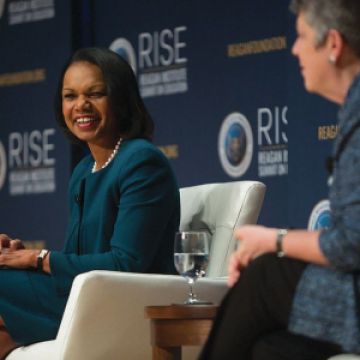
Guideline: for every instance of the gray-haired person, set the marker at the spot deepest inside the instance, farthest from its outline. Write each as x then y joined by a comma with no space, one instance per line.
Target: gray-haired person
303,305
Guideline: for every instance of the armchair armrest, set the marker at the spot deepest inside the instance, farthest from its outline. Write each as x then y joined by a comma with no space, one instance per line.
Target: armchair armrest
104,316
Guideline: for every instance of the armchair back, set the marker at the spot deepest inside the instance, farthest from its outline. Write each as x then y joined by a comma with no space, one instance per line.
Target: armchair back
219,209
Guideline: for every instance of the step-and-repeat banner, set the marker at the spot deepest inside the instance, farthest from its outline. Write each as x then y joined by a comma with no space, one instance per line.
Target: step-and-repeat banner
34,155
226,95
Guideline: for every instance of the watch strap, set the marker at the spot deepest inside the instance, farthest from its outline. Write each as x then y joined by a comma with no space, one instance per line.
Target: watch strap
40,259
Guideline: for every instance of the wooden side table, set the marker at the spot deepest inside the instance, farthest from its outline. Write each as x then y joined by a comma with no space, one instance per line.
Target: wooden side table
176,325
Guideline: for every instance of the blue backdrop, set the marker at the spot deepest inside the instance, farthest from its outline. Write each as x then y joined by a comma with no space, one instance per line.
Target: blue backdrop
218,77
226,95
34,155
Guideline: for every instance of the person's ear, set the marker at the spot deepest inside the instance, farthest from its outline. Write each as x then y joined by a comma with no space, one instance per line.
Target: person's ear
334,45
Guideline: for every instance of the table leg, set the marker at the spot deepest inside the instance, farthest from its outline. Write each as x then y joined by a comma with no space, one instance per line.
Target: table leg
166,353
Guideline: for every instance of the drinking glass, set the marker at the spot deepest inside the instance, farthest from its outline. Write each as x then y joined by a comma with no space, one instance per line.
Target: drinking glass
191,257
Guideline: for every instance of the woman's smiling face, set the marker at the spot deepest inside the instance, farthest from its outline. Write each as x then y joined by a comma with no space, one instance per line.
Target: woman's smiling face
86,106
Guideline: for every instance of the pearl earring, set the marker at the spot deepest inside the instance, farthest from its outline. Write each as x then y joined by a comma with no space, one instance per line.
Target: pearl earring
332,59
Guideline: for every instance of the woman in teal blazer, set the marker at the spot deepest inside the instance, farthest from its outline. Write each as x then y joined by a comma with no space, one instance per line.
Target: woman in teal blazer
124,201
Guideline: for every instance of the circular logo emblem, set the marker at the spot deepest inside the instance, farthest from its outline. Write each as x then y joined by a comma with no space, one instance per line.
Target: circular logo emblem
320,217
235,144
2,165
124,48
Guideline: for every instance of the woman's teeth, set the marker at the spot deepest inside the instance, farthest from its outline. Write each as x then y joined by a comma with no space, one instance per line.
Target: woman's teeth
84,120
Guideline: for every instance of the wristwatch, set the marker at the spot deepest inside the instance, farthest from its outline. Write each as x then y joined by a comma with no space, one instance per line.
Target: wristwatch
40,259
279,242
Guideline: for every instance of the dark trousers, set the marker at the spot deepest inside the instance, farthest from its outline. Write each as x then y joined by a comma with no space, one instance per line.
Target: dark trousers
253,317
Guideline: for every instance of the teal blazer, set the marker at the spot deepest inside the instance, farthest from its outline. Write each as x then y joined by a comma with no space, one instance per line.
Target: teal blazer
122,218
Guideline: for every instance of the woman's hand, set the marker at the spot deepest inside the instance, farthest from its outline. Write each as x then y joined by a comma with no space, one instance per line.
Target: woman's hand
7,243
254,241
19,259
14,255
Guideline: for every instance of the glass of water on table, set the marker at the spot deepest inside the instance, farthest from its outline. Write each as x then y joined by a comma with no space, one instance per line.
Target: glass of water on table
191,257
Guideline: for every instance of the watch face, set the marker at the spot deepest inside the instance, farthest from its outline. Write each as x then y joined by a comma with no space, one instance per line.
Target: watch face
43,253
279,242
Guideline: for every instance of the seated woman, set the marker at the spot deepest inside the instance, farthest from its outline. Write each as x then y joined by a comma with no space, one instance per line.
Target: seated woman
304,305
123,197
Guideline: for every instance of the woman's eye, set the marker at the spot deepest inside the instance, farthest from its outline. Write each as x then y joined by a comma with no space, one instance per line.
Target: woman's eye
68,96
96,94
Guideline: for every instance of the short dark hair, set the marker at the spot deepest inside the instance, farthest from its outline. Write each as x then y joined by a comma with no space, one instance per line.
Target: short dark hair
124,97
323,15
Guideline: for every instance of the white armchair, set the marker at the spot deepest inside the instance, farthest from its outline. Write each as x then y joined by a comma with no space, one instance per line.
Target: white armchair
104,316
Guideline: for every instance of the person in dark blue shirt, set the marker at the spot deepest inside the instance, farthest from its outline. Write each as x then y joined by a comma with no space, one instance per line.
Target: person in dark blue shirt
303,305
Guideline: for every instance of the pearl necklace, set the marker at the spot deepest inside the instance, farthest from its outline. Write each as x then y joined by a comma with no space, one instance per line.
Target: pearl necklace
112,155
